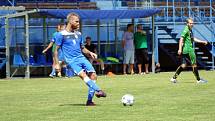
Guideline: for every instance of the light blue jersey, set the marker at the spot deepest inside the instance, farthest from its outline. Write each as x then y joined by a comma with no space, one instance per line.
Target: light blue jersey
71,44
60,55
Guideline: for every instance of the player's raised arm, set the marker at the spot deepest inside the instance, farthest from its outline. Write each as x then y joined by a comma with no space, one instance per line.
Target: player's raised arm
200,41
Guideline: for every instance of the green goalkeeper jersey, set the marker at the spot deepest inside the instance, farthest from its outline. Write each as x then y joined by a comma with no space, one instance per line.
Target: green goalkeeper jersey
188,40
140,40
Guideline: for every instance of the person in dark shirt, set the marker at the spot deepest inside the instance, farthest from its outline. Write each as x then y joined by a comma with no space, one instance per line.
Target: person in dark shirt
91,47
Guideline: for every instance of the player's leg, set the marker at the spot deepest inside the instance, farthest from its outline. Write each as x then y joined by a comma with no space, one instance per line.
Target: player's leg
125,61
131,68
195,69
131,61
146,60
91,92
64,68
92,75
59,72
139,60
147,68
69,72
93,88
53,73
90,96
61,62
90,83
196,72
139,68
79,67
124,68
194,65
179,69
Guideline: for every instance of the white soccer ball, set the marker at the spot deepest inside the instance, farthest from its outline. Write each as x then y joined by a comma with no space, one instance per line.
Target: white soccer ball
127,100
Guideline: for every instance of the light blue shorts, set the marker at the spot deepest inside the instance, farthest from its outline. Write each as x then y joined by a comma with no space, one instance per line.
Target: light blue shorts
128,57
81,64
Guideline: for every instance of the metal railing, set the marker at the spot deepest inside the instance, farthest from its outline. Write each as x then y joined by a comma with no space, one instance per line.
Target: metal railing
12,2
172,15
213,47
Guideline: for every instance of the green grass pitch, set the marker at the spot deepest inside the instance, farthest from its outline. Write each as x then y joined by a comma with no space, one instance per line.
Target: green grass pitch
156,99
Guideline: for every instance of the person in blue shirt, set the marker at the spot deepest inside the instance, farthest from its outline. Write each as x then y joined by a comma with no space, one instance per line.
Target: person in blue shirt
60,27
72,46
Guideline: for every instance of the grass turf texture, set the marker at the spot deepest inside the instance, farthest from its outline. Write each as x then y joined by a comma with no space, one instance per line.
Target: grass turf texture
45,99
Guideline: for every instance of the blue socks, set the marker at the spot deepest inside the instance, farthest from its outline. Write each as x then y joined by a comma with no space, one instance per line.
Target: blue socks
93,85
91,92
53,72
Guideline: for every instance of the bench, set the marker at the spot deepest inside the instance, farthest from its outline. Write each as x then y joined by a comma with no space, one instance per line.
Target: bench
20,64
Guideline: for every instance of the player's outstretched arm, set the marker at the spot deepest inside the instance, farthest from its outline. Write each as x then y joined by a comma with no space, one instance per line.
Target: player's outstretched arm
200,41
57,65
49,46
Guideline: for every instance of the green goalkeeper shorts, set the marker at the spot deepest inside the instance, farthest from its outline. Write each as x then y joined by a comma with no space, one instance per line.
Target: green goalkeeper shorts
191,57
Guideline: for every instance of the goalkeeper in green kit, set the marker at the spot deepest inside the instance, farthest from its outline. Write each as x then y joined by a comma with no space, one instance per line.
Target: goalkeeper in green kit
186,50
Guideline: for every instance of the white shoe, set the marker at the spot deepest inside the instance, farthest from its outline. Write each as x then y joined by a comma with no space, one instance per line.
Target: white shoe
173,80
52,76
202,81
59,74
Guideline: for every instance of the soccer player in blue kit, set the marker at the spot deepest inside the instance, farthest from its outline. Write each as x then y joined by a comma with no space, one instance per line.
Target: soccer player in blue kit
72,45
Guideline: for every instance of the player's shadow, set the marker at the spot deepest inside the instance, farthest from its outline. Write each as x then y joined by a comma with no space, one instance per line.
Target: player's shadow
72,105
